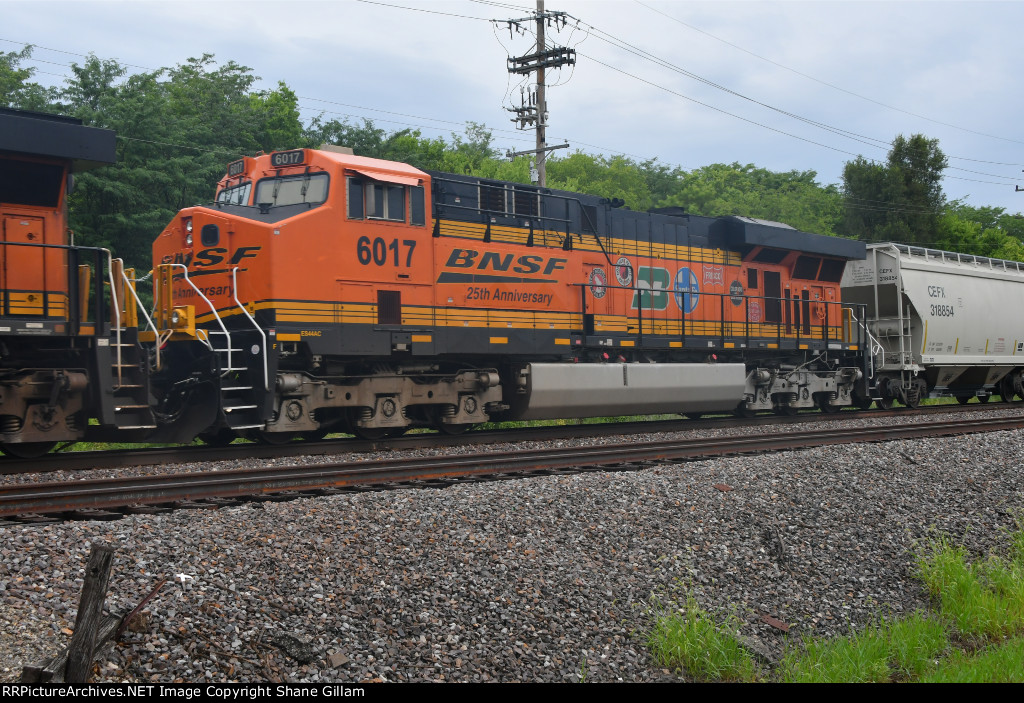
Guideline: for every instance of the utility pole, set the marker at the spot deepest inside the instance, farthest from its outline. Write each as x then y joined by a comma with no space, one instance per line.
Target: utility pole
535,110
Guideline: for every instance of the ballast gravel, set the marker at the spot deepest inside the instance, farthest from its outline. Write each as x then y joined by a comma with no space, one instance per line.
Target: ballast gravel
554,578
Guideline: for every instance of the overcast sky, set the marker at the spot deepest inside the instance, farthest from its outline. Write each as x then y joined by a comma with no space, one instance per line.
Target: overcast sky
861,72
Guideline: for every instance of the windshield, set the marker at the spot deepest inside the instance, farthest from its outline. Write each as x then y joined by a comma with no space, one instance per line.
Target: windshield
236,195
292,190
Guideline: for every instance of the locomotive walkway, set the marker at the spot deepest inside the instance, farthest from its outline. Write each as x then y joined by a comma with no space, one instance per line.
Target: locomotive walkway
110,497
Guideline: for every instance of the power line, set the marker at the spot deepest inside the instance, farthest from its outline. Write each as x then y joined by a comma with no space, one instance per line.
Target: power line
830,85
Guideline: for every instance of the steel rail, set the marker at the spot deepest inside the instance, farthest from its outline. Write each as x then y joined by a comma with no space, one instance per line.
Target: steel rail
142,456
101,494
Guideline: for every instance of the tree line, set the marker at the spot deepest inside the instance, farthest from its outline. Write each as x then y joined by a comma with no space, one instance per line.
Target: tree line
178,127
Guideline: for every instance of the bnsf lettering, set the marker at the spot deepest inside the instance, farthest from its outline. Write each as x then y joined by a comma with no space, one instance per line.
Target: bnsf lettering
210,257
528,263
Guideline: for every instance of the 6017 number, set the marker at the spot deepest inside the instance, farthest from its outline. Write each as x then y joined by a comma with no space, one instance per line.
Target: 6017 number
379,251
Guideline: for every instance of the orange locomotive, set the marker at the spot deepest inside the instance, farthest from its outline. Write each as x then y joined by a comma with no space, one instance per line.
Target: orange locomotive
324,291
71,367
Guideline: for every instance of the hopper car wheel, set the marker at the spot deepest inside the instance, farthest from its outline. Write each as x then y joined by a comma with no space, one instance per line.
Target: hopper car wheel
314,435
917,393
884,403
785,410
742,410
694,416
28,450
221,438
1008,391
984,398
963,399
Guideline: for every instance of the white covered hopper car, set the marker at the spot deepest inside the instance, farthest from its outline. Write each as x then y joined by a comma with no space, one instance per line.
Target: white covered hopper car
940,323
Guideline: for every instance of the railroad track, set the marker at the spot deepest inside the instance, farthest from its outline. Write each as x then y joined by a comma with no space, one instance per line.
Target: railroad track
145,456
111,497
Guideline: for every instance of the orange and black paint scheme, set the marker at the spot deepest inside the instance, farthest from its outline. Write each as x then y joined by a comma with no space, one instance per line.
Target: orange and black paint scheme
70,367
371,296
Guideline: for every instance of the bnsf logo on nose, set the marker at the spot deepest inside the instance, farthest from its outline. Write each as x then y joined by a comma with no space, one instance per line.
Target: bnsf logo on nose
528,263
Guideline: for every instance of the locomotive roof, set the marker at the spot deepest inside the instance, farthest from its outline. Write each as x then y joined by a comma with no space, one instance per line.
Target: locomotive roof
372,166
747,232
41,134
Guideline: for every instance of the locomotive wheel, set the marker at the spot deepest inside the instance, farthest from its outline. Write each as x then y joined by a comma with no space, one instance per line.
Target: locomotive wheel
827,407
28,450
221,438
370,433
276,439
860,402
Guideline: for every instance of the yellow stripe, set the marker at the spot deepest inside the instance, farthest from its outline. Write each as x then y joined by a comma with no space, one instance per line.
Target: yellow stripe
499,340
562,341
422,338
289,337
627,343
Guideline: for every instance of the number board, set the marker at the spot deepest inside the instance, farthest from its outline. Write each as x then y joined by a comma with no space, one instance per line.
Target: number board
287,158
236,168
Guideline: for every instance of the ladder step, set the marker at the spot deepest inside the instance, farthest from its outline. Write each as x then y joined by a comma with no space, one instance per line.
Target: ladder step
124,408
136,427
244,427
232,408
235,368
235,388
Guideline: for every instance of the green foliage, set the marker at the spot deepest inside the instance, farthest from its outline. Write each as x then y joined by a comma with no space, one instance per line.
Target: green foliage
900,201
15,89
615,177
794,198
690,640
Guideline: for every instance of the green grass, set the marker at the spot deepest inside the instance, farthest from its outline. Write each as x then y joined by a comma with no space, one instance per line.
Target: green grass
889,651
1003,663
691,641
984,599
975,635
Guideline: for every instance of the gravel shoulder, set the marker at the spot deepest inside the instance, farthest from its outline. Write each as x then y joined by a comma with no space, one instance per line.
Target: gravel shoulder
516,580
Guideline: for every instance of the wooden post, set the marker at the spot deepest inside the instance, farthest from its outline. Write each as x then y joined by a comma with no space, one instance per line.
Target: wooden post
90,607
